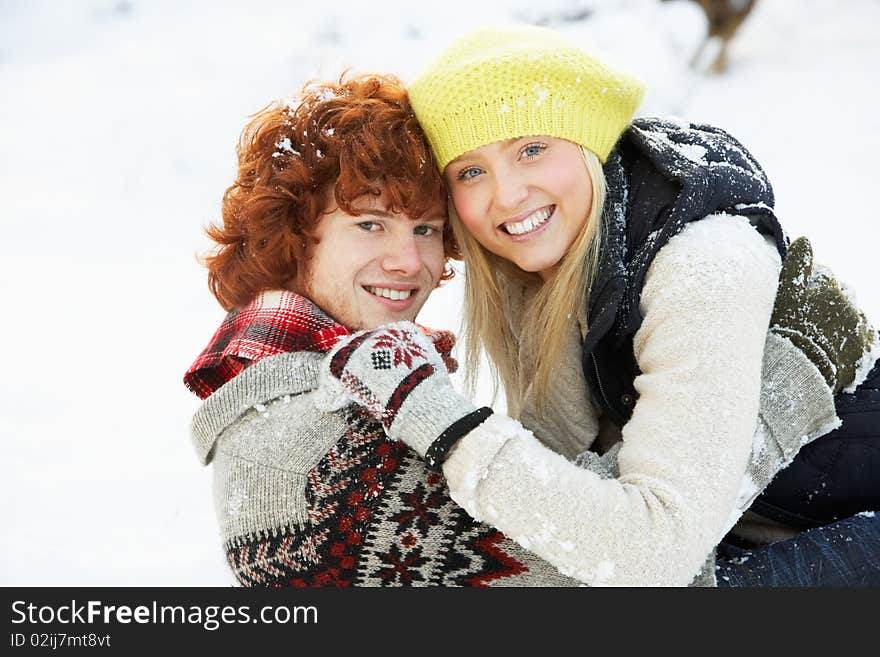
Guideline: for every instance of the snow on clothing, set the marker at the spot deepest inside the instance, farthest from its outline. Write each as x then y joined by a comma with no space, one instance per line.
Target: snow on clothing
415,401
679,482
664,175
661,176
679,315
311,498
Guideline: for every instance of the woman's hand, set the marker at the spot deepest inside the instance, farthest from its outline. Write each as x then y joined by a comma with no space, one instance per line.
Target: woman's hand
817,316
397,375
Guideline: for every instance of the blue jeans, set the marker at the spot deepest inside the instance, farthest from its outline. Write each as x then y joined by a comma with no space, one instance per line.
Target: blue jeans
836,476
844,553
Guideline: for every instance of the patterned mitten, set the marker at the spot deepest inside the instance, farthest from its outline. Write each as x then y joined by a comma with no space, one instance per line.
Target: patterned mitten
816,315
396,374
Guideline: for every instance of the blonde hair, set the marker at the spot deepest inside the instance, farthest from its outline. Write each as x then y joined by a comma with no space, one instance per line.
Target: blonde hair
559,301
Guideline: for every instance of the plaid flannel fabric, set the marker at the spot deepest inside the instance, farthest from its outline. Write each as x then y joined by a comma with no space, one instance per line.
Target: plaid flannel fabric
275,322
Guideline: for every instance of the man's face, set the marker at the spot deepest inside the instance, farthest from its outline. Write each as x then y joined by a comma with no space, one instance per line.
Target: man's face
374,268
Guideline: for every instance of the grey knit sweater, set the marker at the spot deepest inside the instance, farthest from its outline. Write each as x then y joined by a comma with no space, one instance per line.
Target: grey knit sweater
310,498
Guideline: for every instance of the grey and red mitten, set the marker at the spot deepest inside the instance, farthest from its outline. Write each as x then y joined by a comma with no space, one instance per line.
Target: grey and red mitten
397,374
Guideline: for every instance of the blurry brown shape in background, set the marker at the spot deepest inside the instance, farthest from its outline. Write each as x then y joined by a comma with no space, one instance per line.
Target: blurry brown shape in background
724,18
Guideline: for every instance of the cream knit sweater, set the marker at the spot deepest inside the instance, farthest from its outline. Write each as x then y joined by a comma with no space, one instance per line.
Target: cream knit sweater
681,484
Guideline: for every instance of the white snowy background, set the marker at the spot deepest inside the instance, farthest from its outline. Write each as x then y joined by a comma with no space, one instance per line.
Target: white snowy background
118,120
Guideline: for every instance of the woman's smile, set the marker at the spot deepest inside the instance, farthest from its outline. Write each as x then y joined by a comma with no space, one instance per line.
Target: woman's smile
533,223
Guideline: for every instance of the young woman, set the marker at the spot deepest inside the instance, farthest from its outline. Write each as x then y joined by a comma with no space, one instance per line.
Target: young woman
621,276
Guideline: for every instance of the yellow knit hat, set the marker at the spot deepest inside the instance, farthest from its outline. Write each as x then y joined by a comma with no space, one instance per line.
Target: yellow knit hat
496,84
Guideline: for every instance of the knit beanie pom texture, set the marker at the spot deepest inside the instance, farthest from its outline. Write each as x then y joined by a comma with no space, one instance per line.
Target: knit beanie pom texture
497,84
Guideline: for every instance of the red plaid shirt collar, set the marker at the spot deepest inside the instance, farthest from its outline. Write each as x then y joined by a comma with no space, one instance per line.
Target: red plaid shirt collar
275,322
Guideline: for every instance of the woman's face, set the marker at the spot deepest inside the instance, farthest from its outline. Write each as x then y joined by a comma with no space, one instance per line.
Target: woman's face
525,200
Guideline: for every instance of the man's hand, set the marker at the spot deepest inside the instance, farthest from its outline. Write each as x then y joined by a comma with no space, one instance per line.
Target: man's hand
814,313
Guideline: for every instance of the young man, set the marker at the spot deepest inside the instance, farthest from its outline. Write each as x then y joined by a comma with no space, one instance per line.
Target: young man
337,222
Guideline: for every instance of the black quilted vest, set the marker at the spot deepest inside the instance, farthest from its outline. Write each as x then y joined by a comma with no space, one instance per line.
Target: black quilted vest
661,176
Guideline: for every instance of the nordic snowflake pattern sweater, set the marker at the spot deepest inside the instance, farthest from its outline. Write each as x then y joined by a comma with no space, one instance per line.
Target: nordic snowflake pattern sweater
311,498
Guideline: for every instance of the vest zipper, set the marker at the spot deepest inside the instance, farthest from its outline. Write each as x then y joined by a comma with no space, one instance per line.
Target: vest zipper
599,380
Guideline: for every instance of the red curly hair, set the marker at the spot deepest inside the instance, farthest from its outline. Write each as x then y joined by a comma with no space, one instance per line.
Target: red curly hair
356,136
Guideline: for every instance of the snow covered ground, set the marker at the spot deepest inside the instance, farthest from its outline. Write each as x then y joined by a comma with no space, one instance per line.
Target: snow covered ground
118,122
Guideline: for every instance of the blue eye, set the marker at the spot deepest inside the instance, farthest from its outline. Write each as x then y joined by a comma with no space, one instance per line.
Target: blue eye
368,226
532,150
469,173
425,230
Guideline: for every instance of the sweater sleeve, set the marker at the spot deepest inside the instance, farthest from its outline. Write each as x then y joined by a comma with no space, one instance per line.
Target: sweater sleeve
706,305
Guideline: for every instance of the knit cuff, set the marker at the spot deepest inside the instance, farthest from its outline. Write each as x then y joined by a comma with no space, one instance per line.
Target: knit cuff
796,403
796,407
808,347
424,416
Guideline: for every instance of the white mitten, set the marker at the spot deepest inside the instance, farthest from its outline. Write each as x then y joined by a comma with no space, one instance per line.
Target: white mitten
396,374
